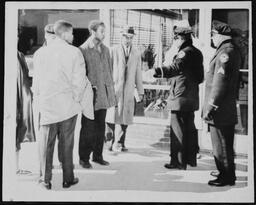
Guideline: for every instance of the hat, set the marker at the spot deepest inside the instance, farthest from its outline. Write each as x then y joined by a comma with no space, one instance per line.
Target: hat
127,30
49,28
221,28
182,30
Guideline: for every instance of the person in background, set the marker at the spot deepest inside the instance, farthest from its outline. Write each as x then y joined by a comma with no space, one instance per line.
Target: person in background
186,73
126,74
98,65
25,131
59,84
219,110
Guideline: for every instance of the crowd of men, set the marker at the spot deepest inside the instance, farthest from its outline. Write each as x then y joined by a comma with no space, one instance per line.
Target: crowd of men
100,83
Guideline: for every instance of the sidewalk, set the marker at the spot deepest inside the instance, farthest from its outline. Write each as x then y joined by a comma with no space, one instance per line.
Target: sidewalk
136,175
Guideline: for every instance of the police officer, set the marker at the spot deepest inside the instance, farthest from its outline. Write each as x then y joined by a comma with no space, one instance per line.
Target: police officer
219,109
186,73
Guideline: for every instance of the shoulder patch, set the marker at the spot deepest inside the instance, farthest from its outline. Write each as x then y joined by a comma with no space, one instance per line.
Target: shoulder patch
181,54
224,58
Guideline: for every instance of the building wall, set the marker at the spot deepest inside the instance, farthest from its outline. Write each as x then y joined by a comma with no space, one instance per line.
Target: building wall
78,20
238,19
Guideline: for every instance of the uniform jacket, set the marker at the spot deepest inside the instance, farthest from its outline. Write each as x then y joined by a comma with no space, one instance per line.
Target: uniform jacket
221,84
59,81
24,117
126,77
99,72
186,73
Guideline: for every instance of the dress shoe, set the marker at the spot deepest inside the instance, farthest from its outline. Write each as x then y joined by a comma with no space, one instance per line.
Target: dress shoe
85,164
174,166
101,162
221,182
68,184
45,185
124,149
215,173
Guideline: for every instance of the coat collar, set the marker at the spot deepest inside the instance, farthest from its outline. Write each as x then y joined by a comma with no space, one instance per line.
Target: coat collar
223,45
90,44
186,44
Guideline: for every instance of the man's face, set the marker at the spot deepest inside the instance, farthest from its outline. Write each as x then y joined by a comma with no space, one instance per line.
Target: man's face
70,36
127,40
215,38
99,34
178,41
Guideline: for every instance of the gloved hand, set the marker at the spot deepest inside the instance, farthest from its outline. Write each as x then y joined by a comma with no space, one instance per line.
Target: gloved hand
208,115
158,73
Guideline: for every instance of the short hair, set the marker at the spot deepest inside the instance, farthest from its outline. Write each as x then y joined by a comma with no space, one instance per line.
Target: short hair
49,28
61,26
95,24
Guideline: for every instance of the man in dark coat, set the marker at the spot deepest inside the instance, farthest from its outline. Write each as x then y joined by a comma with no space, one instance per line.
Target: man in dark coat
219,109
186,73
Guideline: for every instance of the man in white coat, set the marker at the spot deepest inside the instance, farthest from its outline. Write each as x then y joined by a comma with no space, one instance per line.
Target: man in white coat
126,75
59,84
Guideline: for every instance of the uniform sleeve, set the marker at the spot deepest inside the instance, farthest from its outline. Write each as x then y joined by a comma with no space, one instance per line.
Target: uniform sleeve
178,65
222,74
138,80
79,78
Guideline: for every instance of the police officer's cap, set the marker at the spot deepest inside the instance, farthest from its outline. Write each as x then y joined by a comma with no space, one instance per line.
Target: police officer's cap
182,30
221,28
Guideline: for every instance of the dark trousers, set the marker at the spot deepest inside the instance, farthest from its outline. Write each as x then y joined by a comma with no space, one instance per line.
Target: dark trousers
121,133
92,135
65,130
223,151
184,138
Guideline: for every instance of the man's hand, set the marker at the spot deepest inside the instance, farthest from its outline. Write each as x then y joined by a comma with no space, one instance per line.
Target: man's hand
208,115
141,97
158,73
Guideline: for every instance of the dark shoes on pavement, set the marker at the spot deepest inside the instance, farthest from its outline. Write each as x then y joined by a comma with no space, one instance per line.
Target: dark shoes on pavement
68,184
215,173
85,164
175,166
124,149
221,182
101,162
45,185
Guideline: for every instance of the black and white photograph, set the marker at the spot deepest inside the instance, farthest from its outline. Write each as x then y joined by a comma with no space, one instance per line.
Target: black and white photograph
128,102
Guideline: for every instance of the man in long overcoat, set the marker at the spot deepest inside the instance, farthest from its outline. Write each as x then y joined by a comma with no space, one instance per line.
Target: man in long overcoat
126,75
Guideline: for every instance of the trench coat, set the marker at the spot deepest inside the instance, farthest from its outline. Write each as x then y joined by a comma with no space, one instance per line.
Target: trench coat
125,81
24,118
